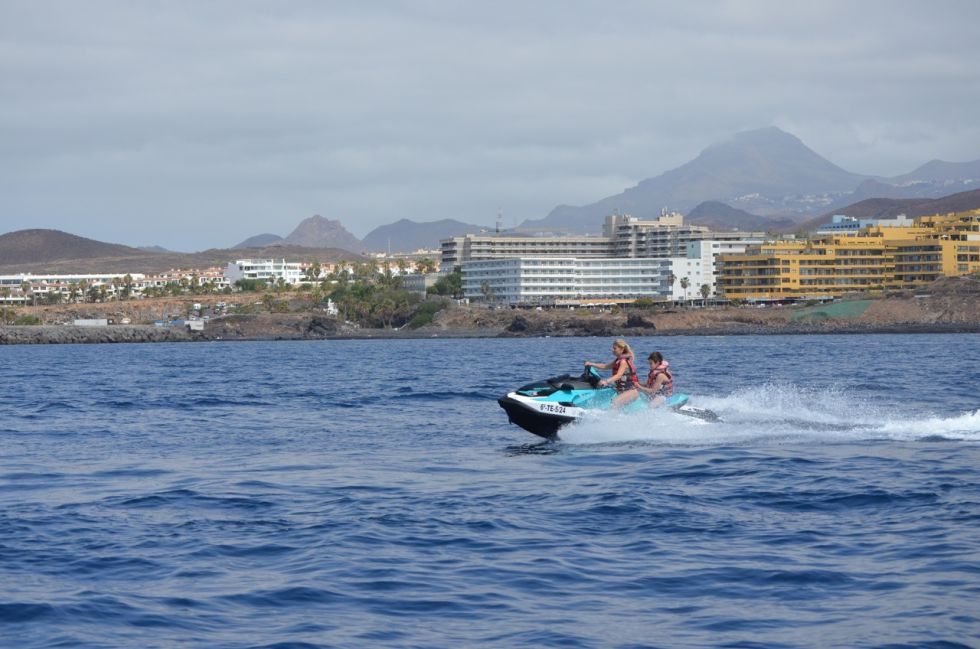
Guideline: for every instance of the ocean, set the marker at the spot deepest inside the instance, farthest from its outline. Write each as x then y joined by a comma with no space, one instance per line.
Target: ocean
371,493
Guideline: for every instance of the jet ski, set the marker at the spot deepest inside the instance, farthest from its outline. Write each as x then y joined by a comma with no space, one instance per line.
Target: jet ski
545,406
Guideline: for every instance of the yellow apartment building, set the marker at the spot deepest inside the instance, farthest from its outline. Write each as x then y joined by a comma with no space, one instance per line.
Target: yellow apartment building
877,258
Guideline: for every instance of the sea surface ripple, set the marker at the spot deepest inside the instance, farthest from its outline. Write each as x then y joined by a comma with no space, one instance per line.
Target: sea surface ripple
372,493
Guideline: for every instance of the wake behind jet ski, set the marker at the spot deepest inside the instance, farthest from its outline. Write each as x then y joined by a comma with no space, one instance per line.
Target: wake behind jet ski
543,407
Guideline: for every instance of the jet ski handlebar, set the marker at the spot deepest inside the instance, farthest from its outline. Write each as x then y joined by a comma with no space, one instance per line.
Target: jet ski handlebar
591,376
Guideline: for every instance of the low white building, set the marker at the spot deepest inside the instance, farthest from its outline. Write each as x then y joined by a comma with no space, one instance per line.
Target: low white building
537,280
569,280
266,270
43,285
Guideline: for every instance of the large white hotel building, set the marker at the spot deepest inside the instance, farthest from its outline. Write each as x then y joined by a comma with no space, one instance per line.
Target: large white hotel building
633,259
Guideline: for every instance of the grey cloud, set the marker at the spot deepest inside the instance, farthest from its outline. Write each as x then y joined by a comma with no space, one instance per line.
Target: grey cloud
193,125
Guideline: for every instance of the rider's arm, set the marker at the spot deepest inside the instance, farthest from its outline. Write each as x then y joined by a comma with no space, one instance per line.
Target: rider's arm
615,377
598,366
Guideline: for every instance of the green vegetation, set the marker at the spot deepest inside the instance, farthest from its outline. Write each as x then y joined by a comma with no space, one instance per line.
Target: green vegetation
425,313
375,305
251,285
450,285
705,291
27,320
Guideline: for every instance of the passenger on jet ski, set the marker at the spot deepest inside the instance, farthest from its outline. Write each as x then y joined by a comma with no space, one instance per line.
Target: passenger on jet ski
660,380
623,379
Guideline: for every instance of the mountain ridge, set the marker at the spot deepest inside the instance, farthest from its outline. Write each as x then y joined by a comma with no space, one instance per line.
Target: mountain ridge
759,168
883,208
54,251
40,246
406,235
722,216
766,173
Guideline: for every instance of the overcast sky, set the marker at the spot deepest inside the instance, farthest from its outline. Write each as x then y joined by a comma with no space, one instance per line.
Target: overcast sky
195,124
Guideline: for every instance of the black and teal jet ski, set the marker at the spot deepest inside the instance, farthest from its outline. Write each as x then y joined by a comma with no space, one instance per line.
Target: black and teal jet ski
545,406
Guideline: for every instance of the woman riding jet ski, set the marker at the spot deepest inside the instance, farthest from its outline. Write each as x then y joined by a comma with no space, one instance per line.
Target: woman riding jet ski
545,406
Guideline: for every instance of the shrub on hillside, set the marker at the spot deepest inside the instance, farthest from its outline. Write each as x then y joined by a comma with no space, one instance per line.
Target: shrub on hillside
426,312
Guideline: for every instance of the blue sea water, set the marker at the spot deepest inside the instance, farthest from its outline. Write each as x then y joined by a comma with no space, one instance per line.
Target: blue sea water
371,493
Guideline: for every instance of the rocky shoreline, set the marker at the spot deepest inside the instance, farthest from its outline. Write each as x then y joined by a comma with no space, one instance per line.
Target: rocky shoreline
258,328
950,306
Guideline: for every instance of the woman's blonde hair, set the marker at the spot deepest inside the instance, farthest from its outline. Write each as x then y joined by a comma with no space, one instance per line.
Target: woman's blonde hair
625,346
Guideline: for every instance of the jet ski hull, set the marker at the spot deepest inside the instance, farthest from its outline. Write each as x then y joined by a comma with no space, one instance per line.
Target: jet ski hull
544,407
541,422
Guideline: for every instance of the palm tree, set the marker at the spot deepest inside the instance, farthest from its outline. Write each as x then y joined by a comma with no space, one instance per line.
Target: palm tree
685,282
127,281
705,292
487,291
426,266
313,272
387,278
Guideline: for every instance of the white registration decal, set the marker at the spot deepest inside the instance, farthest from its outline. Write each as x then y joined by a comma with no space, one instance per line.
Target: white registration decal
551,407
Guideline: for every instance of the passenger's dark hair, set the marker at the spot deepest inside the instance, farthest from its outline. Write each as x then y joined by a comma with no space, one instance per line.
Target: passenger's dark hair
656,357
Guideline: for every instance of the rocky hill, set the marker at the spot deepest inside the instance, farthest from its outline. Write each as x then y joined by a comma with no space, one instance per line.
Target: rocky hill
318,232
313,232
259,241
28,248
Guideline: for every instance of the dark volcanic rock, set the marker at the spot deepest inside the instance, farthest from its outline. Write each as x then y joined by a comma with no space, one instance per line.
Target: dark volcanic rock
321,327
636,321
519,324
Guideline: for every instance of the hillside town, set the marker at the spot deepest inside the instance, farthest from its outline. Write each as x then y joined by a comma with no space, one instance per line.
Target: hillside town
660,260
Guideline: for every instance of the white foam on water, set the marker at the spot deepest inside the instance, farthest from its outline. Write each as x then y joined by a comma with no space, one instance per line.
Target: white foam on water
774,414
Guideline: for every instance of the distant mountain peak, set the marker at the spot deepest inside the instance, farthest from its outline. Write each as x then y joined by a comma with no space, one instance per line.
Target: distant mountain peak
764,171
319,232
766,134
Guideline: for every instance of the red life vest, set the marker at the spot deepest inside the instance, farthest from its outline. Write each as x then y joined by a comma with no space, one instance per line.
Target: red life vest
667,388
629,379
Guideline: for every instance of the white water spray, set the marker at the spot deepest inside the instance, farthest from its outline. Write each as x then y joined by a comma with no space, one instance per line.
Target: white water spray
775,414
